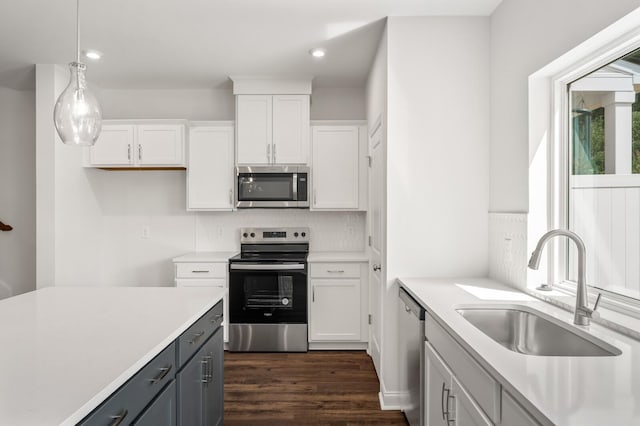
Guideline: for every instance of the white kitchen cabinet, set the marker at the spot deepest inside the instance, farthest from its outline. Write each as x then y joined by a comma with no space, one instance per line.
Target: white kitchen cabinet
210,171
340,166
114,146
514,414
205,273
272,129
160,145
335,161
126,144
337,312
447,402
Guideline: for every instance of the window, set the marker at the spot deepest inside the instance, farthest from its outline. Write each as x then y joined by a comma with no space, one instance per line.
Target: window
604,180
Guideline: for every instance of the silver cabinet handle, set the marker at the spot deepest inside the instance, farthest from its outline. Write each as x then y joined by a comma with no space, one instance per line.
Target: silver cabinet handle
119,418
313,293
274,153
268,153
377,267
139,152
442,410
335,271
196,337
204,362
315,196
163,372
200,271
129,151
231,197
215,318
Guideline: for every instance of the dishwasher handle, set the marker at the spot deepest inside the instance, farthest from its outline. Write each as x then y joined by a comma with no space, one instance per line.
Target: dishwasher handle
411,305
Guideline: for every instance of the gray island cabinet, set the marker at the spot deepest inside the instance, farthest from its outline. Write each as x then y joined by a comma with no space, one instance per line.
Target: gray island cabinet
183,385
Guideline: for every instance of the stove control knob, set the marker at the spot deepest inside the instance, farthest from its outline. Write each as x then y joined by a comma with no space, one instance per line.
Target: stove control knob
253,235
295,234
245,235
304,234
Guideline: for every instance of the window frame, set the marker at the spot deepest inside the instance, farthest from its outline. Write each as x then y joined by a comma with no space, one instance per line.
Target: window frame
550,149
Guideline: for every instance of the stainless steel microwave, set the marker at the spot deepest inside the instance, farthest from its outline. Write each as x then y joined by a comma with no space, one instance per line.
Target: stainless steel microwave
272,187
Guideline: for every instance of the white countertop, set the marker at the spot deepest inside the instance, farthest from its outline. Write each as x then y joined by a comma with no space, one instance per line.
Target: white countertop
206,256
66,349
338,256
566,390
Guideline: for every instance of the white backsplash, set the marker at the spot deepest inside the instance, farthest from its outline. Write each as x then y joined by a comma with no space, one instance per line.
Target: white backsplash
508,248
329,231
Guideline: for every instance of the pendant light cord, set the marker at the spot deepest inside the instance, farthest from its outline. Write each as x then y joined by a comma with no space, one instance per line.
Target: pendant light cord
78,31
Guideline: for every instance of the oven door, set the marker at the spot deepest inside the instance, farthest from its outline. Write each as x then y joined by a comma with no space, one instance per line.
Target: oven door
267,293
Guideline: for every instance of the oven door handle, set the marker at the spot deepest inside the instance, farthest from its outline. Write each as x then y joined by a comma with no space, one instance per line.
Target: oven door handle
267,267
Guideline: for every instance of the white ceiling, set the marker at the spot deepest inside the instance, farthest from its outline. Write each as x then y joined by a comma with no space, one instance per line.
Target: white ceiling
199,43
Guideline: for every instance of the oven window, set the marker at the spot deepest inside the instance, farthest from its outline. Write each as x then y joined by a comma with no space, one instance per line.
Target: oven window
265,187
261,294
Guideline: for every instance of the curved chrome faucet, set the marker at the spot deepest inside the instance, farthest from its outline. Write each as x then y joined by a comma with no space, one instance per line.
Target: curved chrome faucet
583,313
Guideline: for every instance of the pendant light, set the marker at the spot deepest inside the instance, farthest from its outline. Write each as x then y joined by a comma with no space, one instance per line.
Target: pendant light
77,114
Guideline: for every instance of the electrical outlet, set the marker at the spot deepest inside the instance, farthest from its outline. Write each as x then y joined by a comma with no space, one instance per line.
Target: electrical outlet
508,250
146,232
351,230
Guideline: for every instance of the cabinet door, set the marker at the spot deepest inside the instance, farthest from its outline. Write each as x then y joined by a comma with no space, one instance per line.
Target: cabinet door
214,389
290,129
191,390
210,170
467,412
335,167
514,414
114,146
162,411
438,392
254,129
335,310
160,145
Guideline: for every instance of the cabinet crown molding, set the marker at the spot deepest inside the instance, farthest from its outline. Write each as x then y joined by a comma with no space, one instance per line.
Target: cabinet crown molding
265,85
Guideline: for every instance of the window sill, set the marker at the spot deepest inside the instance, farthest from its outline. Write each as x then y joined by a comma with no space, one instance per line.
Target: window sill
616,315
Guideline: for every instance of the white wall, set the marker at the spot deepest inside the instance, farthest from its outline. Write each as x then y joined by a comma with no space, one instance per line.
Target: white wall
93,220
437,159
17,192
525,36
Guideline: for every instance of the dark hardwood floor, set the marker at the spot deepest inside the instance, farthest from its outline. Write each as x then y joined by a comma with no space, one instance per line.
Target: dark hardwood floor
314,388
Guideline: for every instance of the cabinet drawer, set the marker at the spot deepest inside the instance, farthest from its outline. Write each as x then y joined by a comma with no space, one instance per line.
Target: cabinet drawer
129,401
191,340
334,270
471,375
195,282
201,270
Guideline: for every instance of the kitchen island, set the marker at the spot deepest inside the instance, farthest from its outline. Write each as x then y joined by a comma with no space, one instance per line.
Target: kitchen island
68,349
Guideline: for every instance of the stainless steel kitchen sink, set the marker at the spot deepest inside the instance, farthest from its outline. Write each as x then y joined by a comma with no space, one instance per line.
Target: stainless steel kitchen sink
529,332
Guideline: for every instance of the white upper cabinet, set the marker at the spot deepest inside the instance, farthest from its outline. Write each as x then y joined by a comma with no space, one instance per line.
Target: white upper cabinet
290,129
272,129
131,144
114,146
339,172
160,144
210,172
254,126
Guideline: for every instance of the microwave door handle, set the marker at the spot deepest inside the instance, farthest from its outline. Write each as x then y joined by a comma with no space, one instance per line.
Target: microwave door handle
295,187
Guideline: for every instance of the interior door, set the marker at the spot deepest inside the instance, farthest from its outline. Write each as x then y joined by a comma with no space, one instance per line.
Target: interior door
376,275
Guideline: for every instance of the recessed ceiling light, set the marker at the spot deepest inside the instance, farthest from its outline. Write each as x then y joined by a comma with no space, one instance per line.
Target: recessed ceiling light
317,52
92,54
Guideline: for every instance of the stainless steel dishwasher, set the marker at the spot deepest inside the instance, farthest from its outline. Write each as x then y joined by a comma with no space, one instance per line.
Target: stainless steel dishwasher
411,339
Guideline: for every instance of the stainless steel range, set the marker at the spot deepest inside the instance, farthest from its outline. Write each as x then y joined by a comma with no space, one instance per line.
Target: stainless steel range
268,291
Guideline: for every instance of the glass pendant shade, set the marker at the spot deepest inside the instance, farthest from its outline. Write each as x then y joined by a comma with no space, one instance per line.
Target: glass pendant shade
77,114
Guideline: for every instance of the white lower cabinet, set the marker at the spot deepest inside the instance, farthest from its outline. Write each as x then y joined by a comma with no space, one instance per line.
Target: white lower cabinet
514,414
458,391
336,294
446,401
205,274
